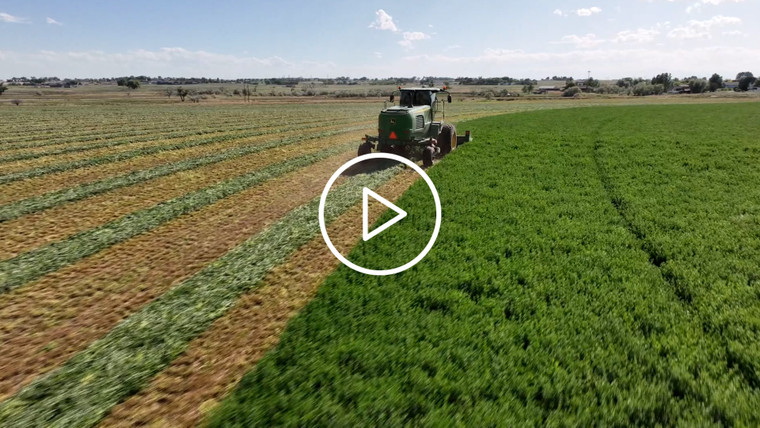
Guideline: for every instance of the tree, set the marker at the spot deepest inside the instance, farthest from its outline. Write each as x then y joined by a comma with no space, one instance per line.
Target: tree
569,83
664,79
182,93
168,92
122,81
715,82
3,88
626,82
645,88
527,88
746,79
697,86
133,84
571,91
592,83
744,74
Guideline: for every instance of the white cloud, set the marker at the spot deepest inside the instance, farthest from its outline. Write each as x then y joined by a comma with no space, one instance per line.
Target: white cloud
175,61
587,41
702,29
558,12
378,55
52,21
610,61
6,17
695,8
588,11
717,2
415,35
412,36
383,21
711,2
641,35
606,63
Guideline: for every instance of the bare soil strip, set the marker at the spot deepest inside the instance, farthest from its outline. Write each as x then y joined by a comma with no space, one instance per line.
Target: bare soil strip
37,229
217,360
44,323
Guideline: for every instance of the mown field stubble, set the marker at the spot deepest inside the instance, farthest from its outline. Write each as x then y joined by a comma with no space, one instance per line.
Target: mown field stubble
152,252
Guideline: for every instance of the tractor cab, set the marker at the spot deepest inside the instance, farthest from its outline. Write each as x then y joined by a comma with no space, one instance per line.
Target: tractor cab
417,97
412,120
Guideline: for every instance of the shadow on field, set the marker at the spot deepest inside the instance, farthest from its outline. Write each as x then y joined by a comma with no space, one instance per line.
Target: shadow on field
369,166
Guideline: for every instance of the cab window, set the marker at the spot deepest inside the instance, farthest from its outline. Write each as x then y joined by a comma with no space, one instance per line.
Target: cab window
406,98
422,98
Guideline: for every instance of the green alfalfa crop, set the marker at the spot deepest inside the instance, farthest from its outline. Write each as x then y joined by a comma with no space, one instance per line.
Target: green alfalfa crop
538,305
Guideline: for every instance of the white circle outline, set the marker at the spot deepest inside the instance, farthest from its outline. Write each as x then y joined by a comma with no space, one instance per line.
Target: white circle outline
323,227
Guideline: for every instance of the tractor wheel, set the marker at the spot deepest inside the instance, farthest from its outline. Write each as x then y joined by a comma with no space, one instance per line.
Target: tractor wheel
365,148
447,139
427,156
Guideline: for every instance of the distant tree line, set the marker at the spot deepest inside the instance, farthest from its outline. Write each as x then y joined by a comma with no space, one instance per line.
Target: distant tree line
299,86
494,81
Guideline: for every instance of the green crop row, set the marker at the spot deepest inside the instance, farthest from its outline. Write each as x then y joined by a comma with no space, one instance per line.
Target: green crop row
92,125
84,389
540,304
39,139
49,200
122,140
236,131
105,141
31,265
122,156
30,129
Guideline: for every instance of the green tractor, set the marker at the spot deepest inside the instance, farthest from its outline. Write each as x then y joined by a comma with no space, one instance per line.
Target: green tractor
409,129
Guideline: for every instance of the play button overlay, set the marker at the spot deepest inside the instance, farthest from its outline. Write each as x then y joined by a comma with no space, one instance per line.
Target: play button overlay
400,214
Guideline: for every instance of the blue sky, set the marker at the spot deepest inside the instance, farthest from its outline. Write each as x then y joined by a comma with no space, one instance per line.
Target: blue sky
231,39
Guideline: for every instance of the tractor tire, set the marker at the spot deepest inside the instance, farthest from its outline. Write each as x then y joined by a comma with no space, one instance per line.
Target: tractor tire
447,139
365,148
427,156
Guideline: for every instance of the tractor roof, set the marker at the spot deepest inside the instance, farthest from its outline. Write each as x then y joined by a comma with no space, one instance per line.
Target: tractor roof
421,89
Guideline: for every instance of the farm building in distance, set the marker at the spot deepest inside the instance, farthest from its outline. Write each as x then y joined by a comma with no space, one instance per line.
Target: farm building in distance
546,89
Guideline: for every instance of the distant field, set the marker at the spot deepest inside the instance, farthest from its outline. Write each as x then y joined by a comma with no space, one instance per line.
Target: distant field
595,266
152,252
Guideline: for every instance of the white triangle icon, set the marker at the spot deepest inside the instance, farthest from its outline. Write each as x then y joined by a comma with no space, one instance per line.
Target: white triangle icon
366,234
